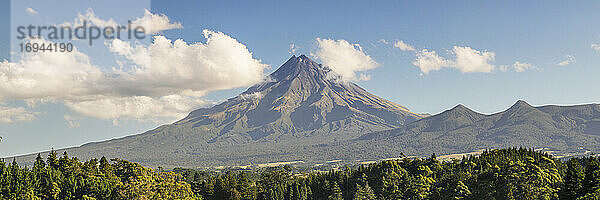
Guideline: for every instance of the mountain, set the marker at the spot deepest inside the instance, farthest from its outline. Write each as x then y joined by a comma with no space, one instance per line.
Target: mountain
305,113
301,99
302,104
561,130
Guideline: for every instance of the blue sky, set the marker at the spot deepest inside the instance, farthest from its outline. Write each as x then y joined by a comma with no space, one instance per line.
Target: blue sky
5,29
540,33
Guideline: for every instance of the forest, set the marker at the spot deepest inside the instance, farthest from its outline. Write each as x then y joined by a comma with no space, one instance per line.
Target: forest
515,173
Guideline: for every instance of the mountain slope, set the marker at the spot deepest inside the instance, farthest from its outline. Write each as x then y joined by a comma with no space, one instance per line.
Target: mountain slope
301,99
562,129
305,113
302,104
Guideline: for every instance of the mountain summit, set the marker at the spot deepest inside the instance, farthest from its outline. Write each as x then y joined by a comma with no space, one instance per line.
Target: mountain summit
302,103
303,112
300,98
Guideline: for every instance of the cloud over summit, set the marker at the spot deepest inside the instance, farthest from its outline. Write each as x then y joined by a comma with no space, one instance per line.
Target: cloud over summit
165,79
344,58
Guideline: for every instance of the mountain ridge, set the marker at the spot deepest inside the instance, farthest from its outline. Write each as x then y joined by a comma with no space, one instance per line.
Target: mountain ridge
303,111
300,104
521,125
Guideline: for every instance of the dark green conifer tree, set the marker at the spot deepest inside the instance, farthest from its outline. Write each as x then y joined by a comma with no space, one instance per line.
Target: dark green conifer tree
53,160
574,177
592,176
335,192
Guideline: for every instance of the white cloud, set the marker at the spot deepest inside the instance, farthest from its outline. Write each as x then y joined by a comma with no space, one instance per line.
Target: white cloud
344,58
167,67
71,121
383,41
163,80
91,19
154,23
252,96
570,59
429,61
467,60
518,67
16,114
142,108
293,48
595,47
521,67
403,46
49,76
31,11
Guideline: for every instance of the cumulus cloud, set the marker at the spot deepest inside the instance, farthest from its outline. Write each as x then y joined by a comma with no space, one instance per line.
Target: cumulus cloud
49,76
521,67
293,48
570,59
167,67
165,79
31,11
595,47
91,19
344,58
16,114
152,23
142,108
467,60
518,67
403,46
429,61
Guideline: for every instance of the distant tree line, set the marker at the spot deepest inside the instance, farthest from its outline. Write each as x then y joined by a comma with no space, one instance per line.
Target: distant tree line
68,178
495,174
515,173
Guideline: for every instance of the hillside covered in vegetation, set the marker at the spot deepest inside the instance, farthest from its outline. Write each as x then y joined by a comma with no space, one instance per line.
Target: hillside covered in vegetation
68,178
303,114
495,174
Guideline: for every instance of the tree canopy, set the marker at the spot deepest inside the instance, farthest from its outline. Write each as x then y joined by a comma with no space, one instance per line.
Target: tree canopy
495,174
